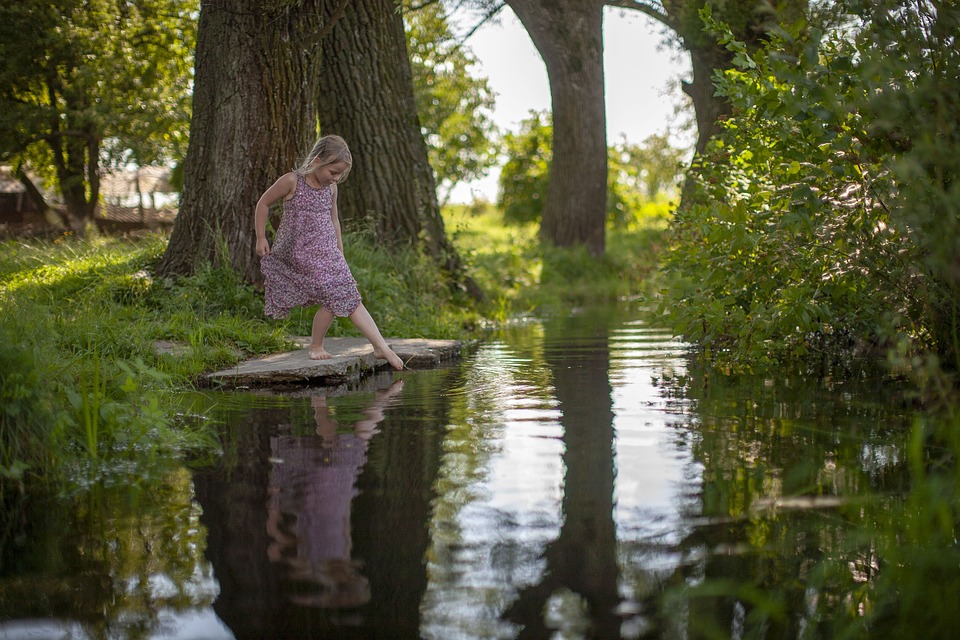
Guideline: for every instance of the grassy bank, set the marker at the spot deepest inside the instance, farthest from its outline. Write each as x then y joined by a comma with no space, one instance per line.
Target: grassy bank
91,342
521,277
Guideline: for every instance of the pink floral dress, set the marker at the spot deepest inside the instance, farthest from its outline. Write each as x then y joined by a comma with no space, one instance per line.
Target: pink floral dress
305,266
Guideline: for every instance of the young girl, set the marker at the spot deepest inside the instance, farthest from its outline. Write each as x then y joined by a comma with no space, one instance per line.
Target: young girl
306,265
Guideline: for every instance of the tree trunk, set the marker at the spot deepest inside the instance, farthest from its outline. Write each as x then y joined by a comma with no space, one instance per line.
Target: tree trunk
76,156
254,113
366,96
569,36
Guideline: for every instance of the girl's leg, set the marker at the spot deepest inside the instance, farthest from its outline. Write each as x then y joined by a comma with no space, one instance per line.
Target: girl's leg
364,321
321,323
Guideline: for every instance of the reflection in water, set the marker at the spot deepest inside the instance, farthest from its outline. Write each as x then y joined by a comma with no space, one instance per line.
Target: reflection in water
311,487
116,562
317,518
560,419
580,564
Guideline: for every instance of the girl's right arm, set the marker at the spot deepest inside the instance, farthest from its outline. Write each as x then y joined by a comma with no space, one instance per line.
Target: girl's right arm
282,188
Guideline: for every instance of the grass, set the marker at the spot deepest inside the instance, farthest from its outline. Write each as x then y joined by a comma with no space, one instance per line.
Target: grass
521,277
83,383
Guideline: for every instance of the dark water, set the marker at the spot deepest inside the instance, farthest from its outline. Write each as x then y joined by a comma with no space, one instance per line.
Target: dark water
567,480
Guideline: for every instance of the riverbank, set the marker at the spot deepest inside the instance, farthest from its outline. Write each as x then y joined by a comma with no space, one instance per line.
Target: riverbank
83,377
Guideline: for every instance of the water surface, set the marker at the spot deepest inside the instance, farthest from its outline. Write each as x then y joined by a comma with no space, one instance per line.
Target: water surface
555,483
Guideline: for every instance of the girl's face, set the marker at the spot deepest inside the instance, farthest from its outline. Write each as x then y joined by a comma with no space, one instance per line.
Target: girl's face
330,173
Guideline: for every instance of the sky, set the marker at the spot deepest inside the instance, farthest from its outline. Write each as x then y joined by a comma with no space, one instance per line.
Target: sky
641,75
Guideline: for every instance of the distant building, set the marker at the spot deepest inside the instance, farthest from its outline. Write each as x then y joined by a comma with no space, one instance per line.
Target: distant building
130,200
16,207
139,196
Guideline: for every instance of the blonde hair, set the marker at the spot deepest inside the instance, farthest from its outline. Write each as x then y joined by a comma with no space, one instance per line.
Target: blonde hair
327,150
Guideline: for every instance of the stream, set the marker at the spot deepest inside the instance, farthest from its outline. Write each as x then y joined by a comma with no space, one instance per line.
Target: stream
569,478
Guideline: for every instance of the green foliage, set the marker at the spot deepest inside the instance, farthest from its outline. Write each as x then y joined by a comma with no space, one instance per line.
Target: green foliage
455,108
909,65
526,172
652,168
807,236
83,384
27,418
637,173
84,82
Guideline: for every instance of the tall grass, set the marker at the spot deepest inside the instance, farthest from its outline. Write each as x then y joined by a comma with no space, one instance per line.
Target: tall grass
81,382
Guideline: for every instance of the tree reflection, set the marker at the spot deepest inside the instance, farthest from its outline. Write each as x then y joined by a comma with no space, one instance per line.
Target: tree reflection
113,561
582,560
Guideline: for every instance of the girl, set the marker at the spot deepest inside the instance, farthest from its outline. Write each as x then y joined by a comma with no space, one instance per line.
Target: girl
306,265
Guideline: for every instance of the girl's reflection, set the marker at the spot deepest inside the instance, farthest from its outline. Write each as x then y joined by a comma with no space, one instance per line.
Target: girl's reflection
308,511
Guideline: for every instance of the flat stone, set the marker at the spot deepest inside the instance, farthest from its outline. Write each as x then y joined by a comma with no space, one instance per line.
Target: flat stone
352,359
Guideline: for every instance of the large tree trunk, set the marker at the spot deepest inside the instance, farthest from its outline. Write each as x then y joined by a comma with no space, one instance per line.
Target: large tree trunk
254,113
366,96
569,36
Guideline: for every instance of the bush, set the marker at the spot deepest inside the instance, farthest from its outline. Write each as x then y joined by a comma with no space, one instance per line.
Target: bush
812,235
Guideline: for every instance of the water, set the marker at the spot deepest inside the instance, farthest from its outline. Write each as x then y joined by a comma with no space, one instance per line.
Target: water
568,479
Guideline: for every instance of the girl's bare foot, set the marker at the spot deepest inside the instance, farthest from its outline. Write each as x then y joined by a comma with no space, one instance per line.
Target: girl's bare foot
319,353
387,354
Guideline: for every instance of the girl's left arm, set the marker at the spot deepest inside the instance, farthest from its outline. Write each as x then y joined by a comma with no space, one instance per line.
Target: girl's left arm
335,216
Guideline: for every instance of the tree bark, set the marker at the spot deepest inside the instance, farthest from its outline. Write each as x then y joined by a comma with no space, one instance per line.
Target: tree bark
569,36
367,96
76,155
254,113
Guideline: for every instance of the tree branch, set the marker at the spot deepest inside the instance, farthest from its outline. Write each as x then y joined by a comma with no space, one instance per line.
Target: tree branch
422,5
494,10
36,196
649,9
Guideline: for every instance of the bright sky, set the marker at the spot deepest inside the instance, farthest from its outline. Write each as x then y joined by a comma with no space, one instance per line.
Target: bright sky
642,80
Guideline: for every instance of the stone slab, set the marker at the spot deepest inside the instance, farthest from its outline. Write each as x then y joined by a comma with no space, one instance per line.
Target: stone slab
352,359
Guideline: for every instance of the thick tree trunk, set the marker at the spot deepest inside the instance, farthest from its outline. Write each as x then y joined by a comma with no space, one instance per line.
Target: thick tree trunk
569,36
254,113
366,96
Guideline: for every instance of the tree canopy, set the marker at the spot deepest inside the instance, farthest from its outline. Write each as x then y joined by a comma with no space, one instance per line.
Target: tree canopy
84,82
454,106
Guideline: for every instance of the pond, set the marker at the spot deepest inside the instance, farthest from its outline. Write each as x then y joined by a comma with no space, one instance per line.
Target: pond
570,478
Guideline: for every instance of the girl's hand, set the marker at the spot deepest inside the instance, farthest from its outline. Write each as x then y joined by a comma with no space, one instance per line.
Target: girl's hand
263,247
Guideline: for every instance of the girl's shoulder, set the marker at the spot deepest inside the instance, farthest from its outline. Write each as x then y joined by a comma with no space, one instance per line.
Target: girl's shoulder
289,182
